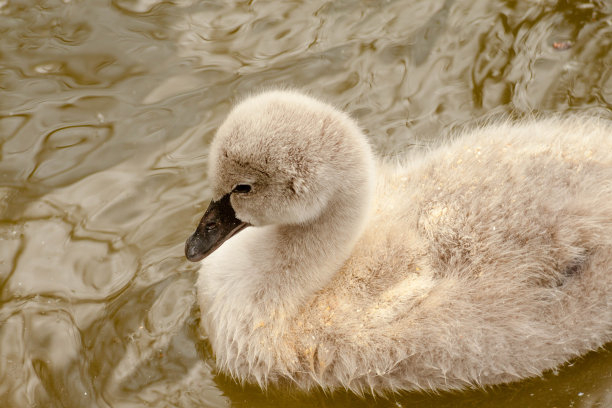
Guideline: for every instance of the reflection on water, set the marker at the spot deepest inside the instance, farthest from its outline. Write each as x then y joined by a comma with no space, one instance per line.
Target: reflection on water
106,113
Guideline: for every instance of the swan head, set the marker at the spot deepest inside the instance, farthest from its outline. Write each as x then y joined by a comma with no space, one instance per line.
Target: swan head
278,158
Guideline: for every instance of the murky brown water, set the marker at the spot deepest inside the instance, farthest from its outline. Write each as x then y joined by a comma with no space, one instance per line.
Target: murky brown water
106,112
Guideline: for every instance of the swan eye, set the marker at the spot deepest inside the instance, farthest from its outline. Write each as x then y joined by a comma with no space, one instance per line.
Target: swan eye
211,226
242,189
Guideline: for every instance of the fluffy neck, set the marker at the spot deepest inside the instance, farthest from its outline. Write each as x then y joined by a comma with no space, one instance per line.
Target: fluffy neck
272,271
310,254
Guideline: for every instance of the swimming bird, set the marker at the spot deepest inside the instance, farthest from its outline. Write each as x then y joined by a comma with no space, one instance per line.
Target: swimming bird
484,260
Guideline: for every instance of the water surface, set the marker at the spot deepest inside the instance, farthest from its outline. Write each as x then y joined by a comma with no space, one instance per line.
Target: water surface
107,109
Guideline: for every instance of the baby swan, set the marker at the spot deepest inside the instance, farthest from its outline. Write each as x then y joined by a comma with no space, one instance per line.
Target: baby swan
486,260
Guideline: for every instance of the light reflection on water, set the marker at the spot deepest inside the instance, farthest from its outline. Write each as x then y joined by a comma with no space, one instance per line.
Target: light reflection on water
106,112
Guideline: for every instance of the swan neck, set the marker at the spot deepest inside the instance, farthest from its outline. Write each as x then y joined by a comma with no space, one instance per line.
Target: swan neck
317,249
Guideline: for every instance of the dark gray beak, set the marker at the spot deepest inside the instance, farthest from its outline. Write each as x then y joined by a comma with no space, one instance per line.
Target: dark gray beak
218,224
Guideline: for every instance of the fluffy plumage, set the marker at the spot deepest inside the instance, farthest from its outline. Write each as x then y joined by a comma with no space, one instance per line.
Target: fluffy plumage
483,261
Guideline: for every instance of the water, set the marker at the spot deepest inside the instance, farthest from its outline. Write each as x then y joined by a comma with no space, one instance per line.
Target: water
106,112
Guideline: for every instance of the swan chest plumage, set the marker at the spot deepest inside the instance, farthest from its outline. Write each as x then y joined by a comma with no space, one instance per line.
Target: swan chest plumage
483,261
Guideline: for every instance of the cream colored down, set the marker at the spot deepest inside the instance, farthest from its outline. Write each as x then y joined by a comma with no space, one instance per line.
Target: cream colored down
485,260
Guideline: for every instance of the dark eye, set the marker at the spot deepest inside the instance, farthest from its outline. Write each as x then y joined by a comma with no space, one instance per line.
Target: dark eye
210,226
242,189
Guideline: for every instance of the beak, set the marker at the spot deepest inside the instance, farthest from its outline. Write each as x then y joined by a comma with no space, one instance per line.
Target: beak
218,224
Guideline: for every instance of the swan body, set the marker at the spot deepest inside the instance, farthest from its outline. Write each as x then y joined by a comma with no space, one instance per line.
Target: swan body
483,261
